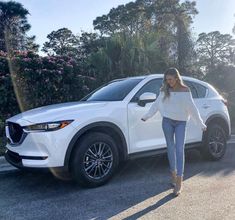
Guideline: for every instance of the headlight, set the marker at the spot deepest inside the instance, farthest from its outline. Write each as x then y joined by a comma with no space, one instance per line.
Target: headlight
49,126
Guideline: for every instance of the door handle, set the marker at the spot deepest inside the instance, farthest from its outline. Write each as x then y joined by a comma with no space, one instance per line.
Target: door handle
205,106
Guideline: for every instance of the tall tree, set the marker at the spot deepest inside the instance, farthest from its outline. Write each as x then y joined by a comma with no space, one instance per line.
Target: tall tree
30,44
127,18
215,48
171,19
88,43
13,26
61,42
183,18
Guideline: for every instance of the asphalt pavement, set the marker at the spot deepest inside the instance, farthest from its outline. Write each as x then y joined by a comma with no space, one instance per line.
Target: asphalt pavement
139,190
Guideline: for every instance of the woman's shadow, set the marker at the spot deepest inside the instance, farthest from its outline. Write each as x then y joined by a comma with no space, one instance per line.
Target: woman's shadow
155,206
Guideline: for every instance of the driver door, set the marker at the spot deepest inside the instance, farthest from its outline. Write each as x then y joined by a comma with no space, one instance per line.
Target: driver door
146,135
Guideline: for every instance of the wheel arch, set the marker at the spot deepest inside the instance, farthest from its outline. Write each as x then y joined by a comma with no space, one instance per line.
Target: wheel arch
221,121
105,127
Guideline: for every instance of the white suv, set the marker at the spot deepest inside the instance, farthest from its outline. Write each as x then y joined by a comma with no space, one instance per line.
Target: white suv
91,137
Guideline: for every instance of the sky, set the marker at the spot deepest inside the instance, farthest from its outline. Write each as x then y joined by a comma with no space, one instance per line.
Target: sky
77,15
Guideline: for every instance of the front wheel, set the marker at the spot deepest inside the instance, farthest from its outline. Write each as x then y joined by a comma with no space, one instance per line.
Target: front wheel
215,143
95,159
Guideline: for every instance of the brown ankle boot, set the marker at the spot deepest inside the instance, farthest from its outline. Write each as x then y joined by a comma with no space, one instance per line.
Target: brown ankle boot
173,178
178,185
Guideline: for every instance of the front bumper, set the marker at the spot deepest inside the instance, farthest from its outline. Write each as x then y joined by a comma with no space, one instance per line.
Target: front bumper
16,160
41,149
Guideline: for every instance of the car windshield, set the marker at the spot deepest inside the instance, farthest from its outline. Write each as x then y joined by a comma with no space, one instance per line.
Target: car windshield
113,91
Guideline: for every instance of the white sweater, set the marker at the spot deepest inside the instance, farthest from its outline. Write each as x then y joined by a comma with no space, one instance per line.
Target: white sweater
179,106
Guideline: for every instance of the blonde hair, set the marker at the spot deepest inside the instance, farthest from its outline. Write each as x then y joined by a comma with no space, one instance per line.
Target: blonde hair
165,86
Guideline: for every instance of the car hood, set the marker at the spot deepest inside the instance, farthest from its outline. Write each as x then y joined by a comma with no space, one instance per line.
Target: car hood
53,112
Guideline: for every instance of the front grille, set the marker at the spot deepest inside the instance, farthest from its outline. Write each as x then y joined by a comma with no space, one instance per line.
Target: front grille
15,132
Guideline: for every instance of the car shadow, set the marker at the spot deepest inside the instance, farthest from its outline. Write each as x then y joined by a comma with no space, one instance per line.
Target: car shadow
135,182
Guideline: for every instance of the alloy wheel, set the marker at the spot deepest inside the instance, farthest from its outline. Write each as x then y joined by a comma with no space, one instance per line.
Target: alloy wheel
98,160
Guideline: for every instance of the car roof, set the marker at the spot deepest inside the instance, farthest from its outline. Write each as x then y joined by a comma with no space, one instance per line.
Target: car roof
158,75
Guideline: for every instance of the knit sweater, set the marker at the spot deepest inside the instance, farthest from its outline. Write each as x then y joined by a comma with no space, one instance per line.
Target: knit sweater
179,106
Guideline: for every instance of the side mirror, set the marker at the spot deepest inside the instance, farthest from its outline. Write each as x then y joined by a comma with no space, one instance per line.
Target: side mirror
146,97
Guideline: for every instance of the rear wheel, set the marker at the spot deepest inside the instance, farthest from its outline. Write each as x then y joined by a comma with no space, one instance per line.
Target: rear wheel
215,142
95,159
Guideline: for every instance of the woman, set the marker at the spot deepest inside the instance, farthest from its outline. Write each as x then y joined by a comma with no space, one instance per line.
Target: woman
176,105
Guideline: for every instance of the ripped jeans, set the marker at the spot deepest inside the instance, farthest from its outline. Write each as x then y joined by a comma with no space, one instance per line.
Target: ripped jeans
174,132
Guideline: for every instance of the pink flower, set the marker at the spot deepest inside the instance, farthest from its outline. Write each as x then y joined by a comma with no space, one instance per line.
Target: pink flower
27,59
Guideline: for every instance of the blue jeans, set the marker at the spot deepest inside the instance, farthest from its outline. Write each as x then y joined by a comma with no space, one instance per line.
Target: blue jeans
175,146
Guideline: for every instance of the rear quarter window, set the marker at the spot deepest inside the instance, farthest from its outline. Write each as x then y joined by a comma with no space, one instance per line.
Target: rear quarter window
201,90
197,90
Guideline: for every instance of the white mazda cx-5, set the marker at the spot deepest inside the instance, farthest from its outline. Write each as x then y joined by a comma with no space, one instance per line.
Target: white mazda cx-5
89,138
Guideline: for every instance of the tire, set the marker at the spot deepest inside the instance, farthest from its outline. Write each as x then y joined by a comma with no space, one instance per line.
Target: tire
95,160
215,142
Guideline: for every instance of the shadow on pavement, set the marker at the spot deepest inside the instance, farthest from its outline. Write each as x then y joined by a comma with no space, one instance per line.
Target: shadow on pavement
155,206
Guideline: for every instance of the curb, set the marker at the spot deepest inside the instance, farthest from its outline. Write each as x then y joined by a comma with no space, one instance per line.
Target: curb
5,167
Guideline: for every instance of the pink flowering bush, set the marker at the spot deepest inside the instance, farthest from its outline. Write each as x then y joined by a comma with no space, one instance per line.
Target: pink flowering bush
28,80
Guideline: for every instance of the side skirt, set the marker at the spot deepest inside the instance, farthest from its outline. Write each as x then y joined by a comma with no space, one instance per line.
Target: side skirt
160,151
